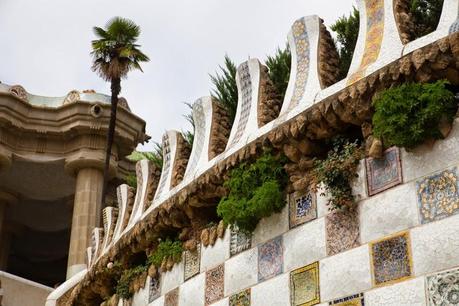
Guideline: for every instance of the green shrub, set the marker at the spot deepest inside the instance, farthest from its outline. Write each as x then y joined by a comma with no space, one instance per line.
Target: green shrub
337,172
409,114
255,191
279,69
426,15
131,180
122,287
165,249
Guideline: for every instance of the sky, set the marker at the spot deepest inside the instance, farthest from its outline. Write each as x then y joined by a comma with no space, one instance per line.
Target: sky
45,46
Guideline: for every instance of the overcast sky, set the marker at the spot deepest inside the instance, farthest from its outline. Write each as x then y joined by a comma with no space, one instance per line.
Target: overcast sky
45,46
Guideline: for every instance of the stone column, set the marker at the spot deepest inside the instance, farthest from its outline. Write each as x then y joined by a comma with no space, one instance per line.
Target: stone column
86,211
5,200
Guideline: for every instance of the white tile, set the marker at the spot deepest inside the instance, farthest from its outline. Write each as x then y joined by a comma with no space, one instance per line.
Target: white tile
241,271
158,302
172,279
222,302
271,227
215,255
407,293
191,293
272,292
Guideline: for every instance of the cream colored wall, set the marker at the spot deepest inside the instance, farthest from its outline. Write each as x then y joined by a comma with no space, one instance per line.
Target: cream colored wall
21,292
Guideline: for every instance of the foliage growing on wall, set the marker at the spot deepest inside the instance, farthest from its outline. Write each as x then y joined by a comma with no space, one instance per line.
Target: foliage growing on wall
256,191
347,31
166,249
409,114
156,156
337,171
225,88
124,283
189,135
426,15
279,69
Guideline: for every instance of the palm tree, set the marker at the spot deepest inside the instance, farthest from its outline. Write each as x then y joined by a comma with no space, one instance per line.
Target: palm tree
115,53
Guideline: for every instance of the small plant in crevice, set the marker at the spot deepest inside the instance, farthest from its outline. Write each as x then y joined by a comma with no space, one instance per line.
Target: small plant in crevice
407,115
166,249
124,283
337,171
256,190
131,180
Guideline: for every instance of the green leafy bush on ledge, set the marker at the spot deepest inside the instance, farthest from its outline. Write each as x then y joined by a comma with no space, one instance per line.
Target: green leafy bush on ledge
166,249
337,171
256,191
409,114
124,283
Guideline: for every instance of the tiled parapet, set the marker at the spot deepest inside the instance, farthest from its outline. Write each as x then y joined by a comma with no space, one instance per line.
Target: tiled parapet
379,41
314,63
110,216
96,243
125,196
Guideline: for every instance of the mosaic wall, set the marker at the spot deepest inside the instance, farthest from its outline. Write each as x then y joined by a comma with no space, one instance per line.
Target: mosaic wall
270,259
302,208
391,259
199,120
246,101
154,291
192,262
438,196
215,279
240,299
384,173
373,39
353,300
304,285
172,298
301,40
443,288
343,233
239,241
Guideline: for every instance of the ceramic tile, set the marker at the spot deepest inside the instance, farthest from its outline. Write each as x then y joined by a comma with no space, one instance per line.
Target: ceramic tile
240,299
384,173
304,285
239,241
443,288
353,300
172,297
155,289
214,284
302,208
343,231
438,196
270,259
192,262
391,259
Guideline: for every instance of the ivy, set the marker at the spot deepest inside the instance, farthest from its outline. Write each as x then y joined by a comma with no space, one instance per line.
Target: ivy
337,171
256,191
166,249
409,114
124,283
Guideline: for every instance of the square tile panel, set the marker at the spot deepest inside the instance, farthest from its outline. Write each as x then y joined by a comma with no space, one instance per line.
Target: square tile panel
171,298
302,208
304,285
240,299
270,259
192,262
438,196
154,290
384,173
391,259
215,284
342,230
353,300
443,288
239,241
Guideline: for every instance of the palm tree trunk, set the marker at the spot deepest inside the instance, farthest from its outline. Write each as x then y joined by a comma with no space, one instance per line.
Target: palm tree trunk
115,88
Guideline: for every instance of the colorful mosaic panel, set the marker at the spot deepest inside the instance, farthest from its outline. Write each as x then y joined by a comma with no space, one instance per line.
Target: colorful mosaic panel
192,262
301,40
240,299
342,228
302,208
172,298
199,120
443,288
438,196
239,241
391,259
155,289
384,173
215,284
245,82
304,285
353,300
270,259
373,40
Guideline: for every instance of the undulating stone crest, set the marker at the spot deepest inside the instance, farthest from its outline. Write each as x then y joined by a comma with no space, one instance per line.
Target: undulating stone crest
379,41
89,257
96,244
72,97
125,196
110,216
19,91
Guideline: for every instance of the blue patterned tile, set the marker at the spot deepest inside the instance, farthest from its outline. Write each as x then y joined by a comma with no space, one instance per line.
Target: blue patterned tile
384,173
